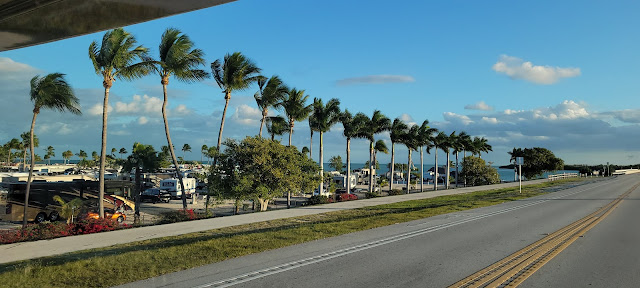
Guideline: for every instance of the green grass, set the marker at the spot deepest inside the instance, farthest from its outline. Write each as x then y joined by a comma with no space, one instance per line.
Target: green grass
125,263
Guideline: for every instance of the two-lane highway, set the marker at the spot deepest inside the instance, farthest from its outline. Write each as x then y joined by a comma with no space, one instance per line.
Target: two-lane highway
439,251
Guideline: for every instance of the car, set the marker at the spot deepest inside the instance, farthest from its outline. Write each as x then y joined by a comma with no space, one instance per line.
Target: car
344,196
108,214
155,195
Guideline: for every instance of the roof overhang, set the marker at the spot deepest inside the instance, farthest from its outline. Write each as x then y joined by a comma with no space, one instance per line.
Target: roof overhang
25,23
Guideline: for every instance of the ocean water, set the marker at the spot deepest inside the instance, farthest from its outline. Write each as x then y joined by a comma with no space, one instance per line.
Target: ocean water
506,175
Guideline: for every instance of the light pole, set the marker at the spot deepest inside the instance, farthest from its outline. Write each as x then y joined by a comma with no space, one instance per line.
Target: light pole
520,161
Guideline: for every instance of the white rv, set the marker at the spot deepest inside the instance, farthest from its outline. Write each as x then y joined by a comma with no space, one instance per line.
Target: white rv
173,186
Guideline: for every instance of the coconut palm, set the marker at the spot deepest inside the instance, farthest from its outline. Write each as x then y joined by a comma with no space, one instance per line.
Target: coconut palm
185,148
448,144
69,210
304,150
398,128
66,155
83,155
203,151
50,153
113,152
438,141
276,125
295,108
25,144
480,145
13,144
114,59
49,92
380,146
462,144
270,93
352,126
95,156
312,125
411,140
235,73
179,59
122,152
378,123
425,139
324,117
142,158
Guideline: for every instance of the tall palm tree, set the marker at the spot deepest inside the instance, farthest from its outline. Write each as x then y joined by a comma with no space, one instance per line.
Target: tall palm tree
378,123
438,141
179,59
312,125
515,153
411,140
269,94
25,144
203,152
295,107
324,117
114,59
66,155
49,92
380,146
13,144
352,126
449,143
462,144
481,145
113,152
425,138
185,148
276,125
235,73
143,157
398,129
122,152
50,153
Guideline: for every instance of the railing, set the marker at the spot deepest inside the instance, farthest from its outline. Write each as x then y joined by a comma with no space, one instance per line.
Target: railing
562,176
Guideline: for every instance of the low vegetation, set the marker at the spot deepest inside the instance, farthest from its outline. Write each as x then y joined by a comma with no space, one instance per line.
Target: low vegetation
120,263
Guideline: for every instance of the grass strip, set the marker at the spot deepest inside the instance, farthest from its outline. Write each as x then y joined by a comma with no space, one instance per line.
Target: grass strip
130,262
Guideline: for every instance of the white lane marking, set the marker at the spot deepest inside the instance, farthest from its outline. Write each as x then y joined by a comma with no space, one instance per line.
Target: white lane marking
338,253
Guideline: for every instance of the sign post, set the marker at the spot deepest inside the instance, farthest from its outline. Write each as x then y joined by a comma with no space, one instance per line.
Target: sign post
519,162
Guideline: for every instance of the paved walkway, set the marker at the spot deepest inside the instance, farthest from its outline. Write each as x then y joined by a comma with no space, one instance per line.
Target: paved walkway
36,249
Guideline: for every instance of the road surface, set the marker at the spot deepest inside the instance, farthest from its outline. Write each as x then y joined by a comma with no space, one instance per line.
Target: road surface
440,251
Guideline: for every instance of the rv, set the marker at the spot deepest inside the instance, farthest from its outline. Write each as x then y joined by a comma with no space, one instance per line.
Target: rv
340,181
173,186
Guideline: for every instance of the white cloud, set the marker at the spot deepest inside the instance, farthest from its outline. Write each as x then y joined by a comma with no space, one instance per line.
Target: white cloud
140,104
375,79
479,106
247,115
491,120
143,120
457,118
407,119
517,68
182,110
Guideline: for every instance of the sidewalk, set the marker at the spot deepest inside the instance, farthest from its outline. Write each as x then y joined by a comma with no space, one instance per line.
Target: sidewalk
43,248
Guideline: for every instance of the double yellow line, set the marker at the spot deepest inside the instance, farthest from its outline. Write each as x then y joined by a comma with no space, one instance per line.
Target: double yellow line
517,267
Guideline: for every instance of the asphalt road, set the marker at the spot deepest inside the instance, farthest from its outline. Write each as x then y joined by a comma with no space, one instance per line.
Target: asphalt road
438,251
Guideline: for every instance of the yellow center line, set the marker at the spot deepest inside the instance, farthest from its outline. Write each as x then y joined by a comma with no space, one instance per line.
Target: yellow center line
517,267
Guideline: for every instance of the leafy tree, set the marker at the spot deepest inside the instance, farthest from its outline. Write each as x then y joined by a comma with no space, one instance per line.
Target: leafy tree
260,169
324,117
271,91
305,150
538,160
142,158
477,172
49,92
295,107
336,163
114,59
235,73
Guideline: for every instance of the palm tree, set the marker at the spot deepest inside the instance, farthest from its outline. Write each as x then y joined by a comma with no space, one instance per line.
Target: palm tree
461,144
324,117
185,148
352,126
380,146
276,125
398,128
113,152
25,144
143,157
122,151
50,153
480,145
114,59
235,73
448,144
425,138
95,156
67,155
295,107
312,125
438,141
515,153
49,92
13,144
179,59
203,151
378,123
412,141
270,93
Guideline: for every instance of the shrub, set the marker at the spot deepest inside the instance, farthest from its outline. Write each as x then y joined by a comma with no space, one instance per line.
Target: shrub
396,192
347,197
319,199
371,194
49,230
177,216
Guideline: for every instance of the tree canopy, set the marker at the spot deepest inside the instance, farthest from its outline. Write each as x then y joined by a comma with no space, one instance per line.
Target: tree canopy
477,172
537,160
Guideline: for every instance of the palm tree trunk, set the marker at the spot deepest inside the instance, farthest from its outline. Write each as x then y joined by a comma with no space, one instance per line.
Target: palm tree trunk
103,149
26,193
371,165
447,172
435,177
348,165
392,169
457,174
310,145
173,155
227,97
408,171
421,170
24,159
136,195
264,117
464,156
321,189
291,131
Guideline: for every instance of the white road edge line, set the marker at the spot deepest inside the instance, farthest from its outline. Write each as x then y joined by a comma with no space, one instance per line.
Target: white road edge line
327,256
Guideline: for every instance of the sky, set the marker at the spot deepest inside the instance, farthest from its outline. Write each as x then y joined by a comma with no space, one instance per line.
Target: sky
555,74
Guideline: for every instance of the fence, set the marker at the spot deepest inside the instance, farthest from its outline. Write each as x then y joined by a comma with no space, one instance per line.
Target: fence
562,176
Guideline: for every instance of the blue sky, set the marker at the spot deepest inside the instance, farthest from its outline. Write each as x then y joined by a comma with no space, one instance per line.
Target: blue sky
554,74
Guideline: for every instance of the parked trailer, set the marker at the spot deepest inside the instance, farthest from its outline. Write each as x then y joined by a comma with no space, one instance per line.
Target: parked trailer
173,186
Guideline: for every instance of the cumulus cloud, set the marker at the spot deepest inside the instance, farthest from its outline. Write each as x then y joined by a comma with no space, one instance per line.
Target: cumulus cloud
247,115
375,79
517,68
479,106
143,120
407,119
457,118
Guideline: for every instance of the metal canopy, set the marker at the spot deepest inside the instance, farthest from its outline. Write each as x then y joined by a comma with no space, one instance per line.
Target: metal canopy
30,22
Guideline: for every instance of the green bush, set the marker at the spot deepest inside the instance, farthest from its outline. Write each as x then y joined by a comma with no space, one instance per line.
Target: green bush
177,216
370,194
396,192
319,199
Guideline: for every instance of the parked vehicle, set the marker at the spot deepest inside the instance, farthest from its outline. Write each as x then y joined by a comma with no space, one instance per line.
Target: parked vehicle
173,186
108,214
344,196
155,195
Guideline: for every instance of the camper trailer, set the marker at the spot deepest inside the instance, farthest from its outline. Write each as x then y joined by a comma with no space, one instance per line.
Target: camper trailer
341,182
173,186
